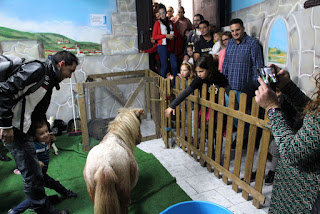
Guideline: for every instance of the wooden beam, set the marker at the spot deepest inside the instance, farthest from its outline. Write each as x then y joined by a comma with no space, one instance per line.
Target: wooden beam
134,94
83,117
103,83
92,103
92,77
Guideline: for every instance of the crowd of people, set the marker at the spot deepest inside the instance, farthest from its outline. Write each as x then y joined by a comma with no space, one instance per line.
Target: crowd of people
227,59
231,59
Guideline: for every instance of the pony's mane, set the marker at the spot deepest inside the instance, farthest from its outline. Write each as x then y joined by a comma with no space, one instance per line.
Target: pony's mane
126,126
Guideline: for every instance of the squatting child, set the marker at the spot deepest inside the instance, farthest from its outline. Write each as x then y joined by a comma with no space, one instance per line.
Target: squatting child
40,133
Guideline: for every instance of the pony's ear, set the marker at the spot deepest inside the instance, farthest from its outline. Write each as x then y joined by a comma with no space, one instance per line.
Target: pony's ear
138,112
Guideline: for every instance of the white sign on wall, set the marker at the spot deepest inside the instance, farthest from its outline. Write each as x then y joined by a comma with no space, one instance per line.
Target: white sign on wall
98,20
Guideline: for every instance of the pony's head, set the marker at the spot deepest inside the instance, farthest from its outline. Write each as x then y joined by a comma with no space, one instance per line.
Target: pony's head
126,126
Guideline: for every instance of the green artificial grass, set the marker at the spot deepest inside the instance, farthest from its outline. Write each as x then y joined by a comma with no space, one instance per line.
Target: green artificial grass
155,191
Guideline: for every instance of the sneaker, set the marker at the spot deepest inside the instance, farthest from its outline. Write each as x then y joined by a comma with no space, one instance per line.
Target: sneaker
269,179
4,157
17,172
70,194
11,211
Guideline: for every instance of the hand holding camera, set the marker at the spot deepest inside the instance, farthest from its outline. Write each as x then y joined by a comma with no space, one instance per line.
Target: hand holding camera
268,74
274,76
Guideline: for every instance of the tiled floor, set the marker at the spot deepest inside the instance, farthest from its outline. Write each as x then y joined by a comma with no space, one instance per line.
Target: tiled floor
200,184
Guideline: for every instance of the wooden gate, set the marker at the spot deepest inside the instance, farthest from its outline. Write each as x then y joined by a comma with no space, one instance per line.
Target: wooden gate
208,142
87,104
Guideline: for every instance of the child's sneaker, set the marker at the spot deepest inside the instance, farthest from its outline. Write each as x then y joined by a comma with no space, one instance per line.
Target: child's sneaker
269,179
11,211
17,172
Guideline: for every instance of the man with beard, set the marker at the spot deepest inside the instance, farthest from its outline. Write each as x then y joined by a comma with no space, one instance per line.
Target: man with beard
15,119
194,35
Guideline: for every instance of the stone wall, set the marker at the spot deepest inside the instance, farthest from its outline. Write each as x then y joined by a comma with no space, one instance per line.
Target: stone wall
120,53
303,27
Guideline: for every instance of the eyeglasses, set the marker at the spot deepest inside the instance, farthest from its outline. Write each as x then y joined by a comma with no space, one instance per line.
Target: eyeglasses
225,40
170,11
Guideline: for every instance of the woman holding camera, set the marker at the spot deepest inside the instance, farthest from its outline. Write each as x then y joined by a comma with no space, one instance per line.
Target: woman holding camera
297,178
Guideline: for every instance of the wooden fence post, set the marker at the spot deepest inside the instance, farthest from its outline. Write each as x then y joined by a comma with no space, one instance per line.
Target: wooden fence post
178,122
168,119
155,107
229,131
219,131
83,116
195,124
211,128
264,148
239,141
190,121
250,148
147,94
183,114
203,123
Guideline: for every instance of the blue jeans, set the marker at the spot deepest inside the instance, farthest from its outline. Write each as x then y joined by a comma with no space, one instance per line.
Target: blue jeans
164,53
49,183
23,206
237,102
24,154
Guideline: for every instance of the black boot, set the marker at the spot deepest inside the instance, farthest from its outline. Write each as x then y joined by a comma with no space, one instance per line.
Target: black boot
69,194
4,157
269,179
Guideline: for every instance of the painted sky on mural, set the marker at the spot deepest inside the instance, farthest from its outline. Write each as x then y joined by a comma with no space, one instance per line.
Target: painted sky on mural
238,5
278,36
71,18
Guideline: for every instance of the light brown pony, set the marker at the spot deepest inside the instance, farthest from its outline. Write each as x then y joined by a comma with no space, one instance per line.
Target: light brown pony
111,170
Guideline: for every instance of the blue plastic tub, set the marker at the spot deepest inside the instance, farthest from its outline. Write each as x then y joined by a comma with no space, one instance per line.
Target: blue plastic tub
196,207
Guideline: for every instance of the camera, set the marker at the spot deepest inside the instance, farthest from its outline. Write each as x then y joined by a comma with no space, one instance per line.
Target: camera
268,74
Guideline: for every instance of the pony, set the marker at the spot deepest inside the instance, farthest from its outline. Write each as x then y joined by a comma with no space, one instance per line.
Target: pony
111,170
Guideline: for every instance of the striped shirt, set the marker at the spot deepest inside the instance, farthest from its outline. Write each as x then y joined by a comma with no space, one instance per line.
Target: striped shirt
241,62
42,150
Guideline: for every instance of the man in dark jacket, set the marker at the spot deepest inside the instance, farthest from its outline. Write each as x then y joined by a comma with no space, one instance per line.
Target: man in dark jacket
15,119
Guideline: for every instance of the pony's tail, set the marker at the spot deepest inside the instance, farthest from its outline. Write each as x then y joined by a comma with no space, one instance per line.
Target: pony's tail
106,197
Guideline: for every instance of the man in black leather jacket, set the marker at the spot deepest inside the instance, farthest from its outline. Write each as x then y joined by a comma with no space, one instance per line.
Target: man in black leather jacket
14,126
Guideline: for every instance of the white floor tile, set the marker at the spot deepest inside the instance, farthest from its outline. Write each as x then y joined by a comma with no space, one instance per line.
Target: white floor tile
198,182
230,194
204,183
214,197
186,187
246,208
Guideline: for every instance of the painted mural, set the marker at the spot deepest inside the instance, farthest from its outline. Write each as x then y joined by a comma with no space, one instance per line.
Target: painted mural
238,5
73,25
278,43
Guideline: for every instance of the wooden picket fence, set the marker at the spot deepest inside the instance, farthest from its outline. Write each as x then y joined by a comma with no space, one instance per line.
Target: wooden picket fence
208,150
207,144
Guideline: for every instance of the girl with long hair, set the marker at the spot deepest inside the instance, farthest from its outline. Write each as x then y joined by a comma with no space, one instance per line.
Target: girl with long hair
206,73
164,33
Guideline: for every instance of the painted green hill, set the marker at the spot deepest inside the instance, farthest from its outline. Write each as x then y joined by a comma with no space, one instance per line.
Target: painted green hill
49,40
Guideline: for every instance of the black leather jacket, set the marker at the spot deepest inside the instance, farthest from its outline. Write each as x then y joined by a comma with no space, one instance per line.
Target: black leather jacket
17,84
